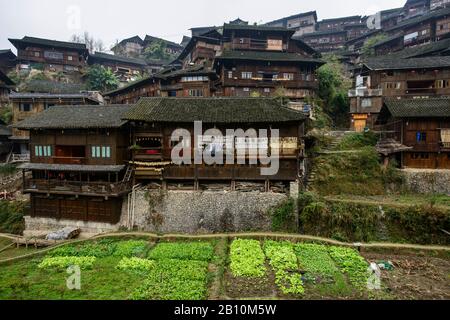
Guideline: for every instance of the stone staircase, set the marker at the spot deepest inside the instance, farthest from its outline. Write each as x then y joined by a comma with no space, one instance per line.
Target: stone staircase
337,138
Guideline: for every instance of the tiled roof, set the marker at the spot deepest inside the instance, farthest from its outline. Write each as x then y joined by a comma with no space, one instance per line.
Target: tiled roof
322,33
111,57
48,43
418,108
227,26
76,117
43,95
435,48
385,63
212,110
265,56
419,19
52,87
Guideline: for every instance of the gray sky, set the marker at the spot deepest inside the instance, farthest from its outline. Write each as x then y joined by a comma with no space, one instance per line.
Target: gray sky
169,19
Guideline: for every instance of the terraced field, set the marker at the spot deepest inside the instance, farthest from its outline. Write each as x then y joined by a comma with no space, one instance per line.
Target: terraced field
142,269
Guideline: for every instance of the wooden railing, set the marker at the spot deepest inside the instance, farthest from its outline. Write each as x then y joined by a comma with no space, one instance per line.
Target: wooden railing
20,158
69,160
78,187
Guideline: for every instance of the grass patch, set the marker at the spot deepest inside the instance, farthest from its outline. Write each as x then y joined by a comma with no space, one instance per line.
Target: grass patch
201,251
11,216
174,280
8,169
357,141
65,262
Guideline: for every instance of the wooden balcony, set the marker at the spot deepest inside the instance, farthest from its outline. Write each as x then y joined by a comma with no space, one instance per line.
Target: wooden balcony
69,160
148,154
76,187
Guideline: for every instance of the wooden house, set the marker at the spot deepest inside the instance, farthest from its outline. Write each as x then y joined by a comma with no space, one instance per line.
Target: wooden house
422,125
414,8
49,55
338,23
130,47
201,50
6,86
26,105
400,78
126,69
172,48
260,60
425,28
78,163
327,40
302,23
155,119
7,61
439,4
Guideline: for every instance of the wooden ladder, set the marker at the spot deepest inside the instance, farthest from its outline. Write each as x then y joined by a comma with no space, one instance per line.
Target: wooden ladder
128,174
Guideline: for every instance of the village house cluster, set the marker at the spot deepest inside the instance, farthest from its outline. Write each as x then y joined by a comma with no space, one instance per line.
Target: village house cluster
84,151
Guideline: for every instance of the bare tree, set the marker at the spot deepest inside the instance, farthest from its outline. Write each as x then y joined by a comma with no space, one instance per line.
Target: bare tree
91,43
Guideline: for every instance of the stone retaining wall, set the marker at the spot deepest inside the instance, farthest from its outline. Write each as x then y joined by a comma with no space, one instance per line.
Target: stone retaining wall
203,212
427,181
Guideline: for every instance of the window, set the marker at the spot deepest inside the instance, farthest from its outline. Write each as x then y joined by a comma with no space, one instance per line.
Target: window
48,105
43,151
37,54
69,58
101,152
267,90
421,136
230,74
366,103
25,107
288,76
241,40
246,89
440,84
195,93
247,75
418,155
392,85
194,78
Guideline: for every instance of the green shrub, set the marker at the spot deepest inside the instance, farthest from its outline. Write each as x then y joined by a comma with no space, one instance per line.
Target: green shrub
247,259
65,262
202,251
283,218
358,140
11,216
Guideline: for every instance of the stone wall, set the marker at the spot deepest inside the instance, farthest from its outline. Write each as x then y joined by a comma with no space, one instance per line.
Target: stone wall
202,212
36,227
427,181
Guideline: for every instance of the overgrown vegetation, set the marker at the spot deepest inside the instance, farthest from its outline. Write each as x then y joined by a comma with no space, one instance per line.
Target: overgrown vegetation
6,114
354,221
101,79
157,50
11,216
333,91
368,50
283,217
